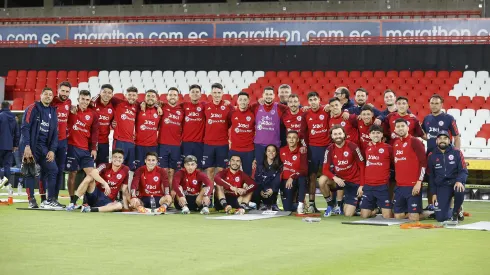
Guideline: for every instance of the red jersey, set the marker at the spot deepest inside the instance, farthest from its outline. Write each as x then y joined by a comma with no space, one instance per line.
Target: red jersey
350,126
410,160
295,122
147,127
106,115
347,161
62,111
364,138
217,123
83,129
414,128
185,184
193,129
379,157
242,130
317,127
115,179
239,179
295,163
170,132
125,118
150,183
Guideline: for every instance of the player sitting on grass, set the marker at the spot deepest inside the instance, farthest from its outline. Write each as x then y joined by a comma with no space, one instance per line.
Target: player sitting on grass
234,187
150,181
101,195
192,188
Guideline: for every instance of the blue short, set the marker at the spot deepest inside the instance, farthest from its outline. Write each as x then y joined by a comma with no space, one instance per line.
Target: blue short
350,193
191,203
102,153
316,155
169,156
215,156
97,198
140,154
404,202
78,159
147,201
247,160
195,149
128,149
375,196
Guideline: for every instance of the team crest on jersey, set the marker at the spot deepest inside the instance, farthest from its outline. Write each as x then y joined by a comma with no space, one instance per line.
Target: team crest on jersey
198,109
186,118
322,117
273,112
143,127
155,115
109,111
87,117
124,117
381,150
405,144
119,176
222,108
312,132
295,157
178,113
248,118
66,107
346,154
342,123
210,121
237,179
450,157
155,178
237,130
194,181
167,121
298,118
441,123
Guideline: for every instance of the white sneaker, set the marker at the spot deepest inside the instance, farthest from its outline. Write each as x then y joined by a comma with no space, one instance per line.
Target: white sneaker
301,208
252,205
185,210
240,211
205,211
43,204
3,182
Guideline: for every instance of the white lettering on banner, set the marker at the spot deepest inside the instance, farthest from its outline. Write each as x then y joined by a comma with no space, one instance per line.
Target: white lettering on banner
434,31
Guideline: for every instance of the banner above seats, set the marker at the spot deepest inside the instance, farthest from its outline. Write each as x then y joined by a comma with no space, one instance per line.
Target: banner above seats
296,32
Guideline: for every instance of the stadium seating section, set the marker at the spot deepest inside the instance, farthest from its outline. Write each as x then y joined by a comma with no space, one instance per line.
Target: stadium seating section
466,93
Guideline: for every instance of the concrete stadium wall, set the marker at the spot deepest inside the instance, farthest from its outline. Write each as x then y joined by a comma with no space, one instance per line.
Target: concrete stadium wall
235,6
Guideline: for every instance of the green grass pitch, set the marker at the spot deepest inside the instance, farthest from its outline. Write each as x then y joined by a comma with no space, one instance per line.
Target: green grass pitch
36,242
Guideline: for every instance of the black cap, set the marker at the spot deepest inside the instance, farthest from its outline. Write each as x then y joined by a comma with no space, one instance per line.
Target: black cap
443,133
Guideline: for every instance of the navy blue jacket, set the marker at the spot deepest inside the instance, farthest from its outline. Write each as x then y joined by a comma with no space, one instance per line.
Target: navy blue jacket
446,168
267,178
348,104
356,110
9,133
31,124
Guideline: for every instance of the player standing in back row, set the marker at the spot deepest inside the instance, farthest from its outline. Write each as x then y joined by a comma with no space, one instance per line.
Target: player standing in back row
194,123
147,122
103,107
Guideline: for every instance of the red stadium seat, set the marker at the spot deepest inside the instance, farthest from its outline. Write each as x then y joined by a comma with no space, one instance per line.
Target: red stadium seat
412,81
425,81
32,74
354,74
443,74
336,81
18,103
405,74
417,74
306,74
367,74
52,74
330,74
450,102
438,81
456,74
293,74
433,88
42,75
379,74
72,74
12,73
311,80
342,74
463,102
399,81
431,74
299,81
361,82
477,102
21,73
93,73
318,74
392,74
270,74
281,74
386,81
373,81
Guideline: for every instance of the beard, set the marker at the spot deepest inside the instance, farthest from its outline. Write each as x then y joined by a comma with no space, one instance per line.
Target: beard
442,146
339,141
234,167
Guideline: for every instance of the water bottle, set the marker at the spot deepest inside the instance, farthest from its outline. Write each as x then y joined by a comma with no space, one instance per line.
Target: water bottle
11,195
19,189
153,204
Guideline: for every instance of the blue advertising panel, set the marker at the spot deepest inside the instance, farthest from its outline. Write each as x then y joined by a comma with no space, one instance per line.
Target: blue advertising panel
45,35
452,27
299,31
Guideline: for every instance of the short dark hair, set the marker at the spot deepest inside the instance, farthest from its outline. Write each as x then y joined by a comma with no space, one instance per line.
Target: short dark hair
132,89
195,86
401,98
345,92
389,91
401,120
362,90
333,99
173,89
118,151
84,92
107,86
377,128
190,158
292,132
367,107
217,86
437,96
268,88
65,83
312,94
5,104
276,163
243,93
235,155
152,91
293,96
149,154
335,127
46,89
284,86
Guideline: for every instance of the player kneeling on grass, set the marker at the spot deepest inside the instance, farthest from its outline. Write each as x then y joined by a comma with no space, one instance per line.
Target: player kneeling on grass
343,167
192,188
294,172
447,176
234,187
150,182
379,156
101,195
